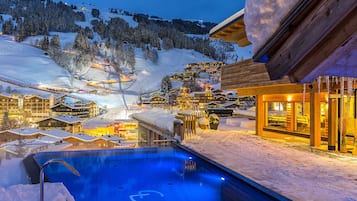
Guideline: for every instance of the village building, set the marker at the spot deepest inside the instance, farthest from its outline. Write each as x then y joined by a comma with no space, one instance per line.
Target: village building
202,97
25,108
213,104
80,111
91,105
158,101
36,107
220,98
290,95
9,104
19,134
67,123
32,140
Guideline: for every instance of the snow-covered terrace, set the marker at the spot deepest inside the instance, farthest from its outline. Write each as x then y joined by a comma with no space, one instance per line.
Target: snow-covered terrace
283,163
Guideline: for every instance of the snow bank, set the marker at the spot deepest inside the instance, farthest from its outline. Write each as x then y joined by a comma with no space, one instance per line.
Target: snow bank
12,171
161,118
52,191
262,18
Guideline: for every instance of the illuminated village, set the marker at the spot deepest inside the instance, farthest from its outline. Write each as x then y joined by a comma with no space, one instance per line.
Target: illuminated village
110,88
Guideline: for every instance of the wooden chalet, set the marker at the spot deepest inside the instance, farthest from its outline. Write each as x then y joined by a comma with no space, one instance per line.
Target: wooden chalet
158,101
202,97
91,105
81,111
220,98
67,123
316,38
83,141
19,134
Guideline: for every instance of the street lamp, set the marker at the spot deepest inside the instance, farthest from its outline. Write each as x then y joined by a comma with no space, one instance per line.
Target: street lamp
42,173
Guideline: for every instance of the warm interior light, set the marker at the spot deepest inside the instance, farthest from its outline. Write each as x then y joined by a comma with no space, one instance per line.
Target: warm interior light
290,98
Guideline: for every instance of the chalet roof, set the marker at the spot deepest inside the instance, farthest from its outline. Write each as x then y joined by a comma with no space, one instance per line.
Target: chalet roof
317,38
7,95
65,118
71,106
229,103
28,131
111,138
212,103
84,137
247,74
47,139
200,93
220,96
57,133
29,96
231,30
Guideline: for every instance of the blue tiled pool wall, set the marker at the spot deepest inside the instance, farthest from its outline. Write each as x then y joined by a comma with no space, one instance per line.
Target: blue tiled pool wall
231,184
101,172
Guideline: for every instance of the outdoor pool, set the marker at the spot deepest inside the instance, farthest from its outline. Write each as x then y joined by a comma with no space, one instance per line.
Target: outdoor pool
150,174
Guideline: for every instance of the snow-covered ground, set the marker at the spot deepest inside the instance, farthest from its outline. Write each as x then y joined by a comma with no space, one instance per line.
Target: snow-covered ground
291,168
28,66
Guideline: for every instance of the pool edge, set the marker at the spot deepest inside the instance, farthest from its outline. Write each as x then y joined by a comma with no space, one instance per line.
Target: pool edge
239,176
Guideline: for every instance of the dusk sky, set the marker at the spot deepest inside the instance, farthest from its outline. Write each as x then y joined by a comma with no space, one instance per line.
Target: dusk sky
207,10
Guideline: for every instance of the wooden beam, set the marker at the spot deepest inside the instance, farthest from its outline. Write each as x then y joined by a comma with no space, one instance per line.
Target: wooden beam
313,64
272,89
243,42
233,35
322,20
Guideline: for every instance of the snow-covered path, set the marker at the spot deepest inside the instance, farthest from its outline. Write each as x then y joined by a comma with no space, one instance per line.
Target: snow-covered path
298,174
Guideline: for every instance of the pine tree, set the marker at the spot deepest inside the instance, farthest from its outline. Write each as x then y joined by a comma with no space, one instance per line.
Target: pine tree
166,85
55,42
6,124
184,100
20,31
44,43
8,89
81,42
95,12
8,27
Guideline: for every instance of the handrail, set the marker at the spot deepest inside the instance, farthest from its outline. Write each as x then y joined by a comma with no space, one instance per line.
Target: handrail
42,173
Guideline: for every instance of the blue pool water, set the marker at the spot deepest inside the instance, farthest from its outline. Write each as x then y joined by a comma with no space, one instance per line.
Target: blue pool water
147,174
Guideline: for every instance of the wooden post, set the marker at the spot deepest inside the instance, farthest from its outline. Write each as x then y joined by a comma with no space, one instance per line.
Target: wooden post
290,116
315,124
332,123
354,151
259,122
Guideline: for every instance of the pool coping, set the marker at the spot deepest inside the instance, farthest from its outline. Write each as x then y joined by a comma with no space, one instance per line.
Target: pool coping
237,175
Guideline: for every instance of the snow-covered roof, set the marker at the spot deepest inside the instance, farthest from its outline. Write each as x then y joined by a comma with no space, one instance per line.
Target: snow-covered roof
158,117
236,16
57,133
24,131
262,18
111,138
47,139
228,103
7,95
65,118
72,106
84,137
